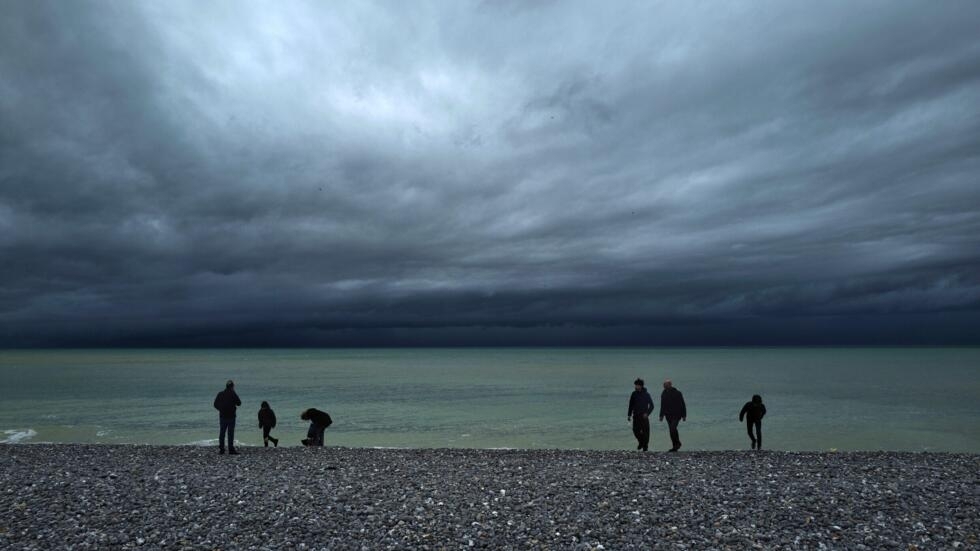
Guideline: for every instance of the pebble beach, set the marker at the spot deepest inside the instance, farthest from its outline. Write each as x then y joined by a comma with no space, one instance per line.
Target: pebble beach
68,496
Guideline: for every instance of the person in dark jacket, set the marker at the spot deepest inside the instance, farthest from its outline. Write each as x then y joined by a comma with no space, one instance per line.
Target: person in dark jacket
640,408
319,421
753,412
673,408
267,422
226,402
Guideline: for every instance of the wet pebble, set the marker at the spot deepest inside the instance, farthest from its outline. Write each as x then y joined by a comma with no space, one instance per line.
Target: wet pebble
151,497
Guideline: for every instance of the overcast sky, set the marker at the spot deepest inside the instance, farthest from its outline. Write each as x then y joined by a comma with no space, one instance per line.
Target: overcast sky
455,173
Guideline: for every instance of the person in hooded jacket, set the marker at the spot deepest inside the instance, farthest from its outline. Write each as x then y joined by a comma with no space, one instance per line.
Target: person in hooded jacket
641,405
672,407
753,412
319,421
227,402
267,422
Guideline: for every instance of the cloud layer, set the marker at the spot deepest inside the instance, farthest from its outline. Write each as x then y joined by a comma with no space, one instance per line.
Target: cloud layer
494,173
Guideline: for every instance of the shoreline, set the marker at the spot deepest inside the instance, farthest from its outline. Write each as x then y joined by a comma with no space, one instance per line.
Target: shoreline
92,496
212,443
253,447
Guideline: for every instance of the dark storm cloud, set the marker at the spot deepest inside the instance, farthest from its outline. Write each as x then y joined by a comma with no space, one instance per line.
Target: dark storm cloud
495,173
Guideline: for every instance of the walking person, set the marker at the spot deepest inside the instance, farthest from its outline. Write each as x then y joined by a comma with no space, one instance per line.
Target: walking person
673,408
227,402
319,421
640,408
267,422
753,412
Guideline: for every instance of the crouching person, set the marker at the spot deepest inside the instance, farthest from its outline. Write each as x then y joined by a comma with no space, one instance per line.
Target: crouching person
319,421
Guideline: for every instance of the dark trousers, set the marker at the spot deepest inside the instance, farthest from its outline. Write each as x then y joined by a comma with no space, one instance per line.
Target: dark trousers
757,437
265,436
315,434
641,430
227,426
675,438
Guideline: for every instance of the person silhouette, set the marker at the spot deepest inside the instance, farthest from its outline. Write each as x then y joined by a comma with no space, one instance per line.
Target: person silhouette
672,407
641,405
267,422
227,402
319,421
753,411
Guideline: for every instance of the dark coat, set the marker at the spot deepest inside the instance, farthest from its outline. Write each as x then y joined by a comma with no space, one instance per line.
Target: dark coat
320,418
267,418
640,403
754,411
226,403
672,403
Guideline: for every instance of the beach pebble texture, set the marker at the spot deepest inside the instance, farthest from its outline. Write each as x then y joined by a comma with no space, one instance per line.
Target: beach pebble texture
64,496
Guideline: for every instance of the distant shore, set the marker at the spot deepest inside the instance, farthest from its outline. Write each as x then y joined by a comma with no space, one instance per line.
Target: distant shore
186,497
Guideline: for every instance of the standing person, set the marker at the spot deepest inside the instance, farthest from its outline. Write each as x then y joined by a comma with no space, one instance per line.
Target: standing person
673,408
641,406
319,421
753,412
226,402
267,422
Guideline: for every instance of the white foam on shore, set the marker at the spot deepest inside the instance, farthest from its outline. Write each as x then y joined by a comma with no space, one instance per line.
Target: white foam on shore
214,442
14,436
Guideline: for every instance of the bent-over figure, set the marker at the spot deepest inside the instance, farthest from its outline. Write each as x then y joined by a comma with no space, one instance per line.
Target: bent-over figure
319,421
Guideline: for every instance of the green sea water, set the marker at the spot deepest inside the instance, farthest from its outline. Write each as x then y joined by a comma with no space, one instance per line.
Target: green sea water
918,399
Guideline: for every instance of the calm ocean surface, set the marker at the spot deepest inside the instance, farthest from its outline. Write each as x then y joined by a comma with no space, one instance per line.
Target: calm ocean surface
818,399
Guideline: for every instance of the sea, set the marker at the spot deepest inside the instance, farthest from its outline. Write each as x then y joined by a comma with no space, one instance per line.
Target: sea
820,399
